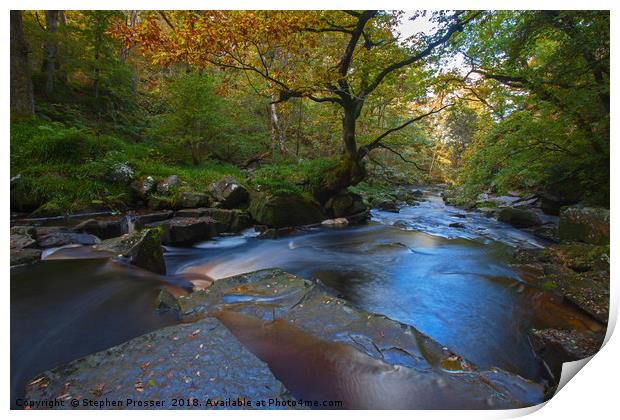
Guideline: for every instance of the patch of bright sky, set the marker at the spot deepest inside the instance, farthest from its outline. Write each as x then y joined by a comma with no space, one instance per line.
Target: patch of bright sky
412,22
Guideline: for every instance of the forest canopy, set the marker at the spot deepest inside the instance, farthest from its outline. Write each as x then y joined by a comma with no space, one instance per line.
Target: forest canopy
307,102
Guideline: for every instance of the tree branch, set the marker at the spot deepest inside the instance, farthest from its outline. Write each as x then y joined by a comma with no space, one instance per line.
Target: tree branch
377,142
452,29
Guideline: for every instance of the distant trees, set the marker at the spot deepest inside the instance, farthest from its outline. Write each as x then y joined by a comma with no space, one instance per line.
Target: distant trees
22,96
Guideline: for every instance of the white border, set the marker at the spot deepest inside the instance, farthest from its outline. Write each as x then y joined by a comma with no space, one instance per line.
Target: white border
592,395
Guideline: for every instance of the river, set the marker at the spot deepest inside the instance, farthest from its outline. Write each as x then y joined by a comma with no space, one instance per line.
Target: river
452,283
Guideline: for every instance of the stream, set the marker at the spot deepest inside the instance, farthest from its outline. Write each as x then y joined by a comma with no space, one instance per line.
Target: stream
452,283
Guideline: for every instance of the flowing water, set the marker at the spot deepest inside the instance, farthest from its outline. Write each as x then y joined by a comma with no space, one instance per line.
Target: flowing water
451,283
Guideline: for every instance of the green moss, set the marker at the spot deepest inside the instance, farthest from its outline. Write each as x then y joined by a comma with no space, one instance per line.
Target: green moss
303,179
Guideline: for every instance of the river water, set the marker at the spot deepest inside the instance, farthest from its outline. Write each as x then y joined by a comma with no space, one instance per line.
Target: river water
452,283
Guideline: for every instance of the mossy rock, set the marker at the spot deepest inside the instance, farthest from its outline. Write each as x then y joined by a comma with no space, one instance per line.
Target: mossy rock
284,210
585,224
142,248
519,218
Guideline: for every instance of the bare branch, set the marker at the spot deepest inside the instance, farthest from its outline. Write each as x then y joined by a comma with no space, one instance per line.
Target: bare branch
404,159
377,142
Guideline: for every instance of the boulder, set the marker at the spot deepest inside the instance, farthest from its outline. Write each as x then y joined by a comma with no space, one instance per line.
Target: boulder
585,224
181,231
166,185
284,210
56,239
121,173
229,192
193,199
385,204
241,221
321,335
142,248
24,256
547,231
338,222
160,202
344,204
358,218
103,229
190,363
519,218
556,347
144,186
142,220
21,241
23,230
552,203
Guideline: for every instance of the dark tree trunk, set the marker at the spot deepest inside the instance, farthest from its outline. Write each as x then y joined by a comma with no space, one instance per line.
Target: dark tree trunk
22,97
50,49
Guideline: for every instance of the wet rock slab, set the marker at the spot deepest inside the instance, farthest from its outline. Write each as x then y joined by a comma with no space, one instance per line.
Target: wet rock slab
556,346
202,361
577,272
298,326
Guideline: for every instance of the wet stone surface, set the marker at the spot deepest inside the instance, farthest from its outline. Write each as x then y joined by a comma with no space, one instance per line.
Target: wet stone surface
270,310
202,360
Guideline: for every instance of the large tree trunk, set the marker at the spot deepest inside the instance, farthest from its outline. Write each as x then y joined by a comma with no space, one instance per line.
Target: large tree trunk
50,49
22,97
355,172
352,170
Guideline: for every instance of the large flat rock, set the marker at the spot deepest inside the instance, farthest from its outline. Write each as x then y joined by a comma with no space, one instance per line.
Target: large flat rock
201,361
321,347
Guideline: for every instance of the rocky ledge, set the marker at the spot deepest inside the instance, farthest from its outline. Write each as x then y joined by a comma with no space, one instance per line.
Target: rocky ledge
317,345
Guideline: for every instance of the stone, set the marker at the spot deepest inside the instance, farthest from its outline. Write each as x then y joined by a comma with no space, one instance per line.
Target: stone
241,221
161,203
180,231
20,241
229,192
344,204
121,173
585,224
144,186
556,347
359,218
193,200
457,225
384,204
141,248
56,239
103,229
338,222
24,256
519,218
547,231
23,230
284,210
187,362
274,309
552,204
165,186
142,220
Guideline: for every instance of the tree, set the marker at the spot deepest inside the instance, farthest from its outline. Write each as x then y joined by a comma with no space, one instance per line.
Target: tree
22,97
328,57
545,76
50,49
